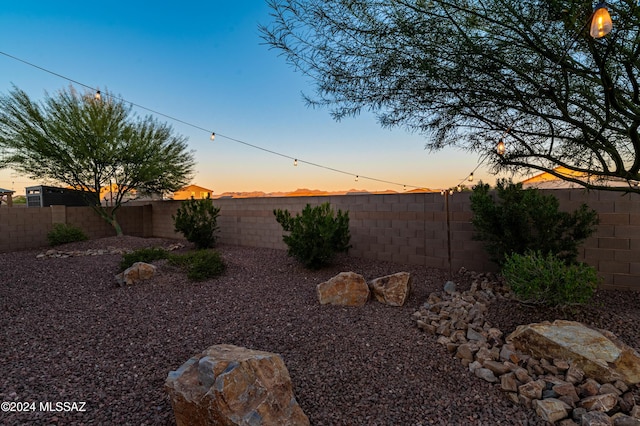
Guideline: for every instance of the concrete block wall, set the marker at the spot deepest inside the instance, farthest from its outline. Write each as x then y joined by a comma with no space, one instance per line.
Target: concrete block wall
405,228
24,228
412,228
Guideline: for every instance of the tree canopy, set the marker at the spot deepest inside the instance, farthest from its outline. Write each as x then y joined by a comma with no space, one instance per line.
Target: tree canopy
89,143
469,73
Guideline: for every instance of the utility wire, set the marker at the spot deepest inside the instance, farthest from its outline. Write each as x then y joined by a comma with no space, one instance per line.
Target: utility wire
296,159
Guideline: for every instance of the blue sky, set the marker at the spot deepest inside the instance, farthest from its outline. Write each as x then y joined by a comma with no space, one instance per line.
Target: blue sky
204,63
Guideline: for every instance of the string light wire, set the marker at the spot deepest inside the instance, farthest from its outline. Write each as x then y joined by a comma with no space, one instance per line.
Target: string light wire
211,133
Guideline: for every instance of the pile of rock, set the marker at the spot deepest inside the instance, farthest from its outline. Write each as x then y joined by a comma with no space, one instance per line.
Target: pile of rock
561,387
96,252
75,253
351,289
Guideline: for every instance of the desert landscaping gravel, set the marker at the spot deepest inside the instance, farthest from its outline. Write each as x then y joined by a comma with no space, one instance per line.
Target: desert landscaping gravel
70,334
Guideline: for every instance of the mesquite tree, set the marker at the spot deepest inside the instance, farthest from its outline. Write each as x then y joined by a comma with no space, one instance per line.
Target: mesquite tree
470,73
89,143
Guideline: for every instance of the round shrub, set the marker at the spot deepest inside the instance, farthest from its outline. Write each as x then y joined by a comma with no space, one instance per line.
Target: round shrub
197,221
316,235
63,233
200,264
546,279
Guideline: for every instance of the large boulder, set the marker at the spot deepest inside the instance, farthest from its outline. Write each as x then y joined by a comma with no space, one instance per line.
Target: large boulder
137,272
391,289
229,385
346,288
597,352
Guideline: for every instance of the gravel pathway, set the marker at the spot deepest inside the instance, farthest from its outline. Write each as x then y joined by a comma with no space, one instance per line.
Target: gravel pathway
69,334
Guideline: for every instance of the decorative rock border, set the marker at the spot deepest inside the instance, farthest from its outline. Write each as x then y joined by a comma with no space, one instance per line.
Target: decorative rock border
559,392
75,253
51,253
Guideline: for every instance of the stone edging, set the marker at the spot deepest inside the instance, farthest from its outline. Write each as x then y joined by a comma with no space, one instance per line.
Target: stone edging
559,392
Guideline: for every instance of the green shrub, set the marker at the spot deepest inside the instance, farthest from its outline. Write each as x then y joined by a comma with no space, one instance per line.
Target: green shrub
548,280
63,233
197,221
200,264
146,255
526,220
316,235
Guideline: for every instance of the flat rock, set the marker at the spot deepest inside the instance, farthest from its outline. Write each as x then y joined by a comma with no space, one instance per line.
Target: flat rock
393,289
346,289
550,409
597,352
229,385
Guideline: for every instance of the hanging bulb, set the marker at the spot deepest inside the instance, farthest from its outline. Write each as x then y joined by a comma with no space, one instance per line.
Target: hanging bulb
451,191
97,96
295,162
459,188
442,192
470,178
357,177
213,136
601,24
500,149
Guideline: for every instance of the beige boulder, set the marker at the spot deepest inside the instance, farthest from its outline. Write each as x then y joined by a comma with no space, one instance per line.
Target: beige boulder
137,272
346,288
393,289
597,352
229,385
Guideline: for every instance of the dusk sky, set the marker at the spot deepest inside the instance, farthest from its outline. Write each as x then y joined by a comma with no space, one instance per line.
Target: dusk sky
204,63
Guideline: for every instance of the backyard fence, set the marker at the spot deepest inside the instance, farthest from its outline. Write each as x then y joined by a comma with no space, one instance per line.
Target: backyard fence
404,228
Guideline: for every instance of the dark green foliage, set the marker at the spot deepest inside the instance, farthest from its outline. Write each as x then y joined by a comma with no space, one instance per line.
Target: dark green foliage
63,233
87,143
466,73
525,219
146,255
316,235
537,278
197,221
200,264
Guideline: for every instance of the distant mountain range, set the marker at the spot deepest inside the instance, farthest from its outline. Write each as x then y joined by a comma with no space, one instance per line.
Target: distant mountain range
304,192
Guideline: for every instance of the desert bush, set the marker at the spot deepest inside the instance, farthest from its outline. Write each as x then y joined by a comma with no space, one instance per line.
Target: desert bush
197,221
200,264
522,220
316,235
146,255
546,279
63,233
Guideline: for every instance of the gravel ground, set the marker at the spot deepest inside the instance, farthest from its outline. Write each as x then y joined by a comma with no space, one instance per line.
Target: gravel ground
69,334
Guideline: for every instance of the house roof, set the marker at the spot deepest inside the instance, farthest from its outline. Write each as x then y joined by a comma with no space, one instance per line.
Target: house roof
546,180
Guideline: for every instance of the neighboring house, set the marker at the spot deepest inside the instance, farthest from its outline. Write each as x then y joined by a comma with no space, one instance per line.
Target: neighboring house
546,180
108,193
194,191
45,196
6,197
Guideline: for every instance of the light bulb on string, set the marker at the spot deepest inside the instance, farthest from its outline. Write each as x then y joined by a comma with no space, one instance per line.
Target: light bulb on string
295,162
97,96
500,149
213,136
357,178
601,24
470,178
